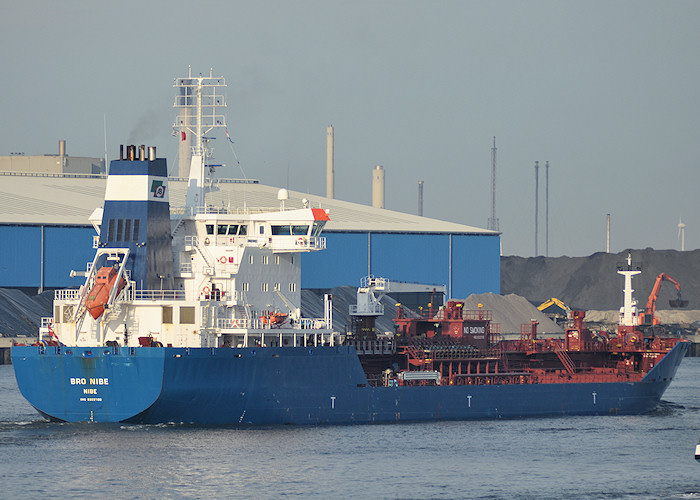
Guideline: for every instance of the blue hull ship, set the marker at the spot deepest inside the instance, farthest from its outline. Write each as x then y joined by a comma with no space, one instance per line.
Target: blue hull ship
193,314
318,385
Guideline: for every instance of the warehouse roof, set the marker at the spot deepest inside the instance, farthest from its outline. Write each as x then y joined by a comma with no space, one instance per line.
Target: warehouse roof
70,199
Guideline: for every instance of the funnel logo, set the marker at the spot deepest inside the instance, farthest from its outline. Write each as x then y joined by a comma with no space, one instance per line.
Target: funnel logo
158,189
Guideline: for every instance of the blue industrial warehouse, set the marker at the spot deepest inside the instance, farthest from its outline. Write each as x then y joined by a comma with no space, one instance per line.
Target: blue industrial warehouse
45,232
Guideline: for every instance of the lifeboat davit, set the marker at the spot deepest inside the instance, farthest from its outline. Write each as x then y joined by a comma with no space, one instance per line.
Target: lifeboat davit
105,280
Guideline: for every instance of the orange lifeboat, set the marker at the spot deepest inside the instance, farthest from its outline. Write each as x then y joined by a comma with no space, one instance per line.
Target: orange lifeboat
105,280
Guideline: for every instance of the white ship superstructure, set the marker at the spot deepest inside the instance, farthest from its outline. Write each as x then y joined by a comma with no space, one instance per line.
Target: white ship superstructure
193,276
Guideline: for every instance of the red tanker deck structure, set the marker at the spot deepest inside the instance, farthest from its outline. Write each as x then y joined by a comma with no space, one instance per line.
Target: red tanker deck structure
466,347
451,345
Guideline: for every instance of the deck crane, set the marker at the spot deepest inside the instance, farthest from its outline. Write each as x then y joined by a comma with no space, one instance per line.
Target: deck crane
649,316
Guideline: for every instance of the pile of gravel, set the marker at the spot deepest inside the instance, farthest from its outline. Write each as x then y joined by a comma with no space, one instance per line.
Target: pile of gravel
592,282
509,311
21,314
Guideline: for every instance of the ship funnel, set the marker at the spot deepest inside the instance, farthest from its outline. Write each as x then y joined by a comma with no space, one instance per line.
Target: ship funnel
136,215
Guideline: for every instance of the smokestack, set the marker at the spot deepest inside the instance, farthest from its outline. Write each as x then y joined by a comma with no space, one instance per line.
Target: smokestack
420,198
62,147
378,187
330,191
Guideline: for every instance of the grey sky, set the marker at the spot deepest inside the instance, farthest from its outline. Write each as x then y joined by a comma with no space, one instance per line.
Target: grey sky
607,92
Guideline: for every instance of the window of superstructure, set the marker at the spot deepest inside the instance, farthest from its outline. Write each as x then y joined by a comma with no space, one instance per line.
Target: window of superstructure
186,315
168,315
318,227
127,230
300,230
67,313
120,229
264,287
276,287
250,259
210,228
262,229
277,260
292,287
265,259
291,260
110,230
137,223
246,286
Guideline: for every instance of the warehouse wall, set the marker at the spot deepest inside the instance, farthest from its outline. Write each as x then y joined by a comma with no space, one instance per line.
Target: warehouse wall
65,248
419,258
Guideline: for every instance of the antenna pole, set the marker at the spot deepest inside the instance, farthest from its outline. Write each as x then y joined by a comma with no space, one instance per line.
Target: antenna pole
537,187
105,129
546,209
493,221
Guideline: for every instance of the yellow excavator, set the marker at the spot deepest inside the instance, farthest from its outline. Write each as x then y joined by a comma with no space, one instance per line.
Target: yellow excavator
561,316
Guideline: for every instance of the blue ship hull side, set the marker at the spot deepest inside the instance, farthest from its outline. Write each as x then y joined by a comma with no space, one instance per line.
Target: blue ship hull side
321,385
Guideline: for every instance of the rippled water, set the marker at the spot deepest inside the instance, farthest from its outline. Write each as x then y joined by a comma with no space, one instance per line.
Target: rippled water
649,456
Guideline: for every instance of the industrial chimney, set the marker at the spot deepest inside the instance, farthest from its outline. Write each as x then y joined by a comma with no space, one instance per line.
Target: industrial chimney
330,192
62,155
420,198
378,187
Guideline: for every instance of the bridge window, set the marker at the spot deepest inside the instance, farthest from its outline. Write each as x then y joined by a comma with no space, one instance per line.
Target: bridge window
222,229
318,227
244,230
210,228
233,229
300,230
281,230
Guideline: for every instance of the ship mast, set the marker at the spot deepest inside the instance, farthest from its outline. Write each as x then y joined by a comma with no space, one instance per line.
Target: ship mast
628,311
199,99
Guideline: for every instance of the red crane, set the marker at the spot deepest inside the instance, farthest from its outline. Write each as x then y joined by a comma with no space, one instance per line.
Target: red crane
649,316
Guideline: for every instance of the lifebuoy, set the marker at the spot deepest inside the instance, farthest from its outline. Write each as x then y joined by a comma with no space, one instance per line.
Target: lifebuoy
301,241
205,290
206,241
222,260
